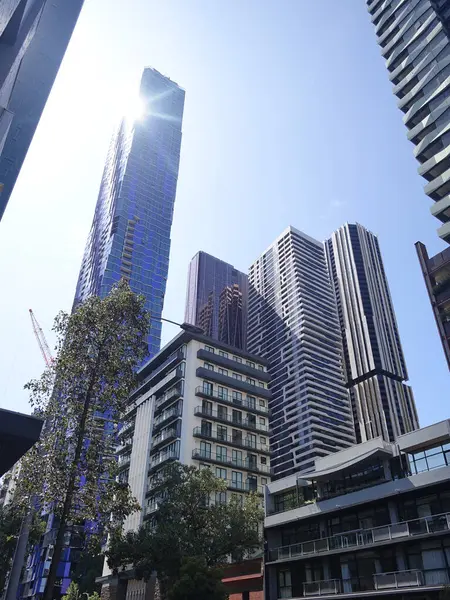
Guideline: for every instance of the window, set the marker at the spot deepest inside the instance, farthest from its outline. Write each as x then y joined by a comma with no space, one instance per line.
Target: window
262,404
237,397
251,440
262,421
263,460
237,458
222,412
251,420
284,584
249,363
221,473
224,354
237,376
206,407
206,428
261,384
209,366
260,367
236,480
237,359
221,453
222,392
252,483
237,436
251,401
250,381
237,417
262,441
263,480
223,372
429,459
208,388
221,432
205,449
252,460
221,497
209,349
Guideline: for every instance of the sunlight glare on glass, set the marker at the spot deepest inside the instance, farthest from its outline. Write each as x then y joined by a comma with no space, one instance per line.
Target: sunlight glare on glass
136,109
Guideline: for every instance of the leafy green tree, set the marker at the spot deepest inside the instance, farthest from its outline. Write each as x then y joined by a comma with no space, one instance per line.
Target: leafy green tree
72,470
73,592
197,581
189,524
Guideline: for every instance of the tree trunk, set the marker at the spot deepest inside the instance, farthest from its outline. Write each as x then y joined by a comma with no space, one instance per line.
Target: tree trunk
51,579
19,557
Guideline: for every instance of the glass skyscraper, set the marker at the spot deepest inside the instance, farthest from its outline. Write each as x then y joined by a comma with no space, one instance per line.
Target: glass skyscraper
34,35
217,300
130,233
293,323
375,369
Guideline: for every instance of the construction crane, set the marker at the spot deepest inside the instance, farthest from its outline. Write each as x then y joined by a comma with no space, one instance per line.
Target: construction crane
45,350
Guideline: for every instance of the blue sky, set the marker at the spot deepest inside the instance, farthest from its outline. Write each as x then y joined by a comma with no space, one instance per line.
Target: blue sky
289,119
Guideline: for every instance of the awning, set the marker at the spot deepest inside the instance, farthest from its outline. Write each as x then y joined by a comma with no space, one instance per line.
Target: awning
381,452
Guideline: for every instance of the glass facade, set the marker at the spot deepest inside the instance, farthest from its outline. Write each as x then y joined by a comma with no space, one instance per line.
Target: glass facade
34,35
130,233
217,300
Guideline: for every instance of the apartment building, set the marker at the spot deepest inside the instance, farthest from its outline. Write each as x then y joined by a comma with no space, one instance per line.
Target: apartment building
202,403
370,521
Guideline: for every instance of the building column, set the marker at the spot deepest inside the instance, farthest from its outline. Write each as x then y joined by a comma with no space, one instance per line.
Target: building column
393,513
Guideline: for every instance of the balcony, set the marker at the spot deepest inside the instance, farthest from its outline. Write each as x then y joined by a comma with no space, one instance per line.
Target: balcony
241,385
166,416
379,582
215,415
124,461
150,509
204,392
169,396
163,458
126,428
354,540
233,365
164,436
235,441
215,458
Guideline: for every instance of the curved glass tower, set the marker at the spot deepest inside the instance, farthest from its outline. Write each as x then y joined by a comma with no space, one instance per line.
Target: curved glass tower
130,233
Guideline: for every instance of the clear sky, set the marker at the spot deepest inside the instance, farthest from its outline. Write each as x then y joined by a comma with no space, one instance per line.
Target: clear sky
289,119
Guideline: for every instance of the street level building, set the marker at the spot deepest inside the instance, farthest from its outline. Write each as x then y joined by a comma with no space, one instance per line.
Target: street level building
371,521
202,403
34,35
293,323
216,301
375,369
130,233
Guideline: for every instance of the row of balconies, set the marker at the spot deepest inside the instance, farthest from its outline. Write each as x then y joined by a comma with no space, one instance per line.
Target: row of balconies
235,440
226,398
245,464
362,538
236,421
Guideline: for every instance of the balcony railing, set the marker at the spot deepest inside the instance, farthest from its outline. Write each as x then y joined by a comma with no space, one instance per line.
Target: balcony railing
167,415
220,438
379,582
364,537
214,394
247,465
124,460
162,458
215,415
167,434
170,395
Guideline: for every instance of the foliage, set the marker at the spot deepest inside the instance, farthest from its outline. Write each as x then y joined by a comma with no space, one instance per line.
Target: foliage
94,596
73,592
88,568
10,523
189,525
197,581
72,470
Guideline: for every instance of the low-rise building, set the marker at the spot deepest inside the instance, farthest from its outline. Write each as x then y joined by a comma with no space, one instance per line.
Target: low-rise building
371,521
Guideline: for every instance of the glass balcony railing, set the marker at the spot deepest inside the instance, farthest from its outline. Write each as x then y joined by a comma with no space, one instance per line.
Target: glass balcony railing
245,464
364,537
238,441
227,398
166,416
223,417
165,435
165,456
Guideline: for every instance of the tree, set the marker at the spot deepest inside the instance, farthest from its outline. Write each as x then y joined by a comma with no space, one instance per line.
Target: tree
197,581
10,523
73,592
72,470
189,523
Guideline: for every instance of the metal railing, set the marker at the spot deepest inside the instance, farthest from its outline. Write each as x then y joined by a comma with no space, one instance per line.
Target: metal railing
214,394
245,464
322,588
166,415
124,460
167,434
364,537
241,442
398,579
225,418
158,460
172,393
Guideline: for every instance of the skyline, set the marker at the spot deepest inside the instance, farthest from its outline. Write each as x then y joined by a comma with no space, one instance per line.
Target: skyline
50,282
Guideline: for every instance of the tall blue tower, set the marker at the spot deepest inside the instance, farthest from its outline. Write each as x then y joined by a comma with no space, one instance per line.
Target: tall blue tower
130,233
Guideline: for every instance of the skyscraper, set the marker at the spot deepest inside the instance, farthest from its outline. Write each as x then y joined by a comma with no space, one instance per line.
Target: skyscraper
130,233
217,299
34,35
415,41
293,323
375,369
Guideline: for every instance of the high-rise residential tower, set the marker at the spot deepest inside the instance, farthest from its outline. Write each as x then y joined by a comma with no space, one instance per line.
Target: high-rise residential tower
414,36
130,233
375,369
34,35
217,299
293,323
